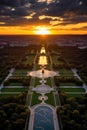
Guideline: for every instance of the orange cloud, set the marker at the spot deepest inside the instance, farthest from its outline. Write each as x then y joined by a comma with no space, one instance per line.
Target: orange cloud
79,28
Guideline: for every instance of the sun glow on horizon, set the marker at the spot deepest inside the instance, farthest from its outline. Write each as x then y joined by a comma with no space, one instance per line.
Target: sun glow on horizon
42,31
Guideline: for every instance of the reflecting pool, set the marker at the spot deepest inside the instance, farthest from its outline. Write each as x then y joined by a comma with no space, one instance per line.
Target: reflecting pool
42,60
43,50
43,119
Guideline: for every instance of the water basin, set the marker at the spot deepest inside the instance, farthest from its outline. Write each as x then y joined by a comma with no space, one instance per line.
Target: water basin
43,119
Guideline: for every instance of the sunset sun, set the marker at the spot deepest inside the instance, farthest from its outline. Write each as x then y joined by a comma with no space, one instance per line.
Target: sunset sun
42,31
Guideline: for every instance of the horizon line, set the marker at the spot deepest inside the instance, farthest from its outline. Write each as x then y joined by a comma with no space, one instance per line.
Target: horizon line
37,34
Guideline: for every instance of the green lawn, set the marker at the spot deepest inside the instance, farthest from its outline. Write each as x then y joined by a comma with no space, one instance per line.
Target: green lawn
47,67
50,99
13,89
75,95
20,73
37,81
67,84
72,89
35,99
15,84
66,72
54,58
60,62
8,95
48,81
29,59
38,67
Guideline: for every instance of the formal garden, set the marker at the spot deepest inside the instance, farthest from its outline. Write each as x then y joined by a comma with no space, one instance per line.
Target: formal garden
68,94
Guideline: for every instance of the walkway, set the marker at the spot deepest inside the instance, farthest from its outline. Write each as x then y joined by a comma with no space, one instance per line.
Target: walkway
31,121
75,73
10,74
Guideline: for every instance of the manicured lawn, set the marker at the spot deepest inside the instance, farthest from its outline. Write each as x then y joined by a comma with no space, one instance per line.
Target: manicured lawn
67,84
20,73
15,84
55,58
60,62
47,67
35,99
72,89
13,89
50,99
37,81
38,67
29,59
75,95
7,95
66,72
48,81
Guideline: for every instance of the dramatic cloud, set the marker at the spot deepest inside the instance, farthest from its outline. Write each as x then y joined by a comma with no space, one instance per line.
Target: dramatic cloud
48,12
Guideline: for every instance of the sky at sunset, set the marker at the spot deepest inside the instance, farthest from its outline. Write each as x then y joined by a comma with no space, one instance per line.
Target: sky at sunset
56,16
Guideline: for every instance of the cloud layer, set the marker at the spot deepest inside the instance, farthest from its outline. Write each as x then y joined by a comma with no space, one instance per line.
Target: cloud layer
49,12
